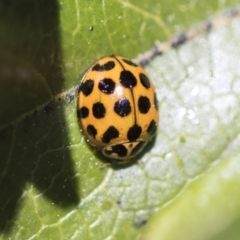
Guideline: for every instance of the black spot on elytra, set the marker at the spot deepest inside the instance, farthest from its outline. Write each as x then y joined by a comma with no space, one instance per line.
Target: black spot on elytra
134,132
82,112
127,79
98,110
106,85
143,104
104,67
122,107
144,80
152,128
111,133
86,87
155,101
127,61
119,149
92,131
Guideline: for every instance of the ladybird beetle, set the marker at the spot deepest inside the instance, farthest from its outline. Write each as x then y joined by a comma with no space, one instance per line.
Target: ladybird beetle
117,108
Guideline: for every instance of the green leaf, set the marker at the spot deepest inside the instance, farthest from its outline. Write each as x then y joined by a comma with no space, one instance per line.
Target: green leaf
52,183
199,138
207,207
